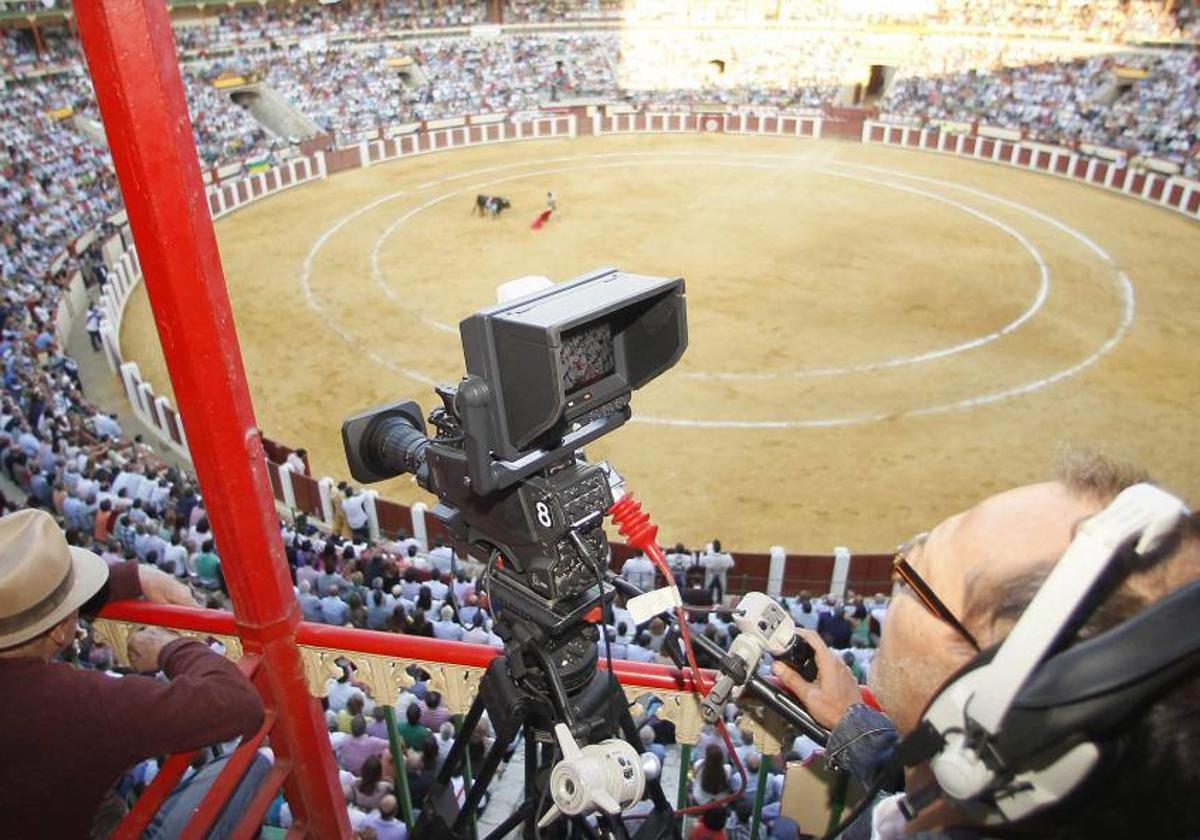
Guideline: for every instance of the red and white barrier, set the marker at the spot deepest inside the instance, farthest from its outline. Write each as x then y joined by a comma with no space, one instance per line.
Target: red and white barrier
781,125
1171,191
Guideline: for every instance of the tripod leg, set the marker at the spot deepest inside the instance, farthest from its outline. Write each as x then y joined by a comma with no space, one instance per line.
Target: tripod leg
459,748
490,762
653,787
531,764
536,760
514,819
588,832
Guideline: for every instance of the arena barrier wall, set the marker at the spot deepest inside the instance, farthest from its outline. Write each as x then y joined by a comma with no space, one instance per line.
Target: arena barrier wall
154,411
782,125
236,193
1171,191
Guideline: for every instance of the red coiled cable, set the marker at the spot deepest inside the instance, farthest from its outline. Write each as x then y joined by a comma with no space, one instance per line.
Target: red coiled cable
639,532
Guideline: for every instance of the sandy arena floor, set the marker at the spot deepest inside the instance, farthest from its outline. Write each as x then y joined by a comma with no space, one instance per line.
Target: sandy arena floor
878,337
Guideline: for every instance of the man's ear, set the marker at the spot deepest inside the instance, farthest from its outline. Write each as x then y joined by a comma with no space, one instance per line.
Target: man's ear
63,632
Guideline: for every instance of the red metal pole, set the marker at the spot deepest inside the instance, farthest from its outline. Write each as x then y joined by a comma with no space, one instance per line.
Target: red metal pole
131,54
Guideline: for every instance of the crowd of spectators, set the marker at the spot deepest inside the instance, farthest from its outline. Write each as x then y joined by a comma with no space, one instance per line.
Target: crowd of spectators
342,67
223,131
114,496
396,586
54,183
353,92
1098,101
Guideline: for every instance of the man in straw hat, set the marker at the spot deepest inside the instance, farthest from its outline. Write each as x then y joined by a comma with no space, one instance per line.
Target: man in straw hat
67,734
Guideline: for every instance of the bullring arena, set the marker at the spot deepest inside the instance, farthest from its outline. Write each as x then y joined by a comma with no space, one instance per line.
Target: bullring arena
877,336
927,244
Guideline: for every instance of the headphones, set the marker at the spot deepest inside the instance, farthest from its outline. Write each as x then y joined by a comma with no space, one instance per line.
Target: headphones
1021,726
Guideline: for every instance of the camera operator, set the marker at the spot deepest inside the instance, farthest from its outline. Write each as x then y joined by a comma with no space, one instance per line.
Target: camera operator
984,566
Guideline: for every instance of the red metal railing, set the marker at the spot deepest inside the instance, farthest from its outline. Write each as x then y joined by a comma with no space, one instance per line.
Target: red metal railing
650,677
218,623
130,54
222,788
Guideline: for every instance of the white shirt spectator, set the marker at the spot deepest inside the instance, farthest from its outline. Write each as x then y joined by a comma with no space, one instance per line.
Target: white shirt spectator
355,508
637,653
107,427
441,558
716,567
639,571
175,560
338,693
437,590
400,547
476,636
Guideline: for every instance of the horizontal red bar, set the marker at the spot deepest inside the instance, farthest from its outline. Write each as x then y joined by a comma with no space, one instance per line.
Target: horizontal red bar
251,821
152,798
650,676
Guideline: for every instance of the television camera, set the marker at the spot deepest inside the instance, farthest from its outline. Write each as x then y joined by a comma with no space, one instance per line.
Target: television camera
547,374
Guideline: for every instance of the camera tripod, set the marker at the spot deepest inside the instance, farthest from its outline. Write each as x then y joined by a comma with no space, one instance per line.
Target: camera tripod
513,700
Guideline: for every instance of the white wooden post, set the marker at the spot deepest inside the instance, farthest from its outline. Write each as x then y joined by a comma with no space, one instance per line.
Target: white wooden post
109,339
1148,185
775,575
285,485
841,571
372,514
131,377
147,393
182,434
420,532
325,488
160,410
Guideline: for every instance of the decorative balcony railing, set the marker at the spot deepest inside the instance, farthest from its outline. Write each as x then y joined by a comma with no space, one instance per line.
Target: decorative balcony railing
381,663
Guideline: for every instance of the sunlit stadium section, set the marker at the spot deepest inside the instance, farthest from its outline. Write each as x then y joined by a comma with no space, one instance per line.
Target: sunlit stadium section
817,65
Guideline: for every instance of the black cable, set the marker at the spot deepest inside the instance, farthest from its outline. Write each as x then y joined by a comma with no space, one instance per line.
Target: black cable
605,614
537,814
858,810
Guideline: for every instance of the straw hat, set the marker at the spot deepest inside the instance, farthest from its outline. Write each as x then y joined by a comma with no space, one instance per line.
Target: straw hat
42,579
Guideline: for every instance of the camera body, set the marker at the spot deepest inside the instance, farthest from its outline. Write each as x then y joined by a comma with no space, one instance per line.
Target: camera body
547,373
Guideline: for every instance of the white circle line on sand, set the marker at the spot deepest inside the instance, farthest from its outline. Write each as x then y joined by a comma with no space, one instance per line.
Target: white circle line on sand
1125,287
868,367
901,361
1128,306
310,297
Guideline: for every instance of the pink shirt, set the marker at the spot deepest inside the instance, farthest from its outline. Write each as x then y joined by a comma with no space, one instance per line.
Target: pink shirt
352,752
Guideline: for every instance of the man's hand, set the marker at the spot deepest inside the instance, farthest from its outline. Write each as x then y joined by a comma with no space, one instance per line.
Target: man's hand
162,588
833,692
145,644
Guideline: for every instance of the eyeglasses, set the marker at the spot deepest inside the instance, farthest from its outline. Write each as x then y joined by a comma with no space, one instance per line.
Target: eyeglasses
906,574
